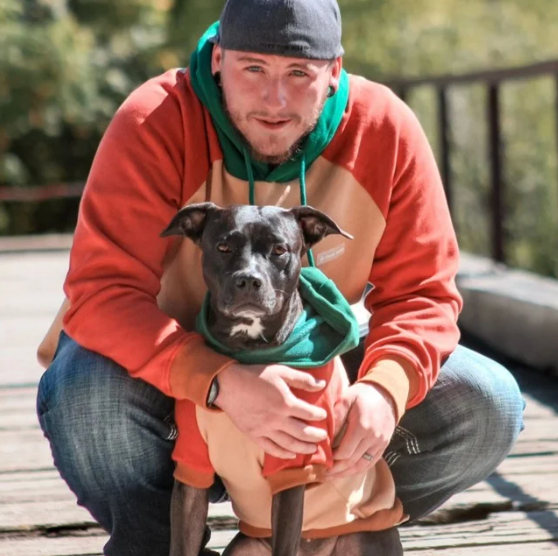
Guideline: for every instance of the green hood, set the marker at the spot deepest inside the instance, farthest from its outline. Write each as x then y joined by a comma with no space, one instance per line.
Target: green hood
327,327
237,160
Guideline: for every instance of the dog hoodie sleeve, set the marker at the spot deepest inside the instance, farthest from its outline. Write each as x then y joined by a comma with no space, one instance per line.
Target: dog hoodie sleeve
190,453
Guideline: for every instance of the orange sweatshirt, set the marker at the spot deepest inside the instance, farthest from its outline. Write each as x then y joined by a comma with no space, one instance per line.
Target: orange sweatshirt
133,296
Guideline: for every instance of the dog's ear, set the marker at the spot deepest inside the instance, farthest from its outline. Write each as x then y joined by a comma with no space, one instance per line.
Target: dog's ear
316,225
190,221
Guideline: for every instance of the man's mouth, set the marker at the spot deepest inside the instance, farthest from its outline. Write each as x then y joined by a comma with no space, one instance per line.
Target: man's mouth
273,124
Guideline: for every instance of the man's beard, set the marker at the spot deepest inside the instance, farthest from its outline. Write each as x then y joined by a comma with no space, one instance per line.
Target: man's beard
274,160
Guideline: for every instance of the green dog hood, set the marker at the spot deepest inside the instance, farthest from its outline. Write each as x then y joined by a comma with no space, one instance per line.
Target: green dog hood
326,328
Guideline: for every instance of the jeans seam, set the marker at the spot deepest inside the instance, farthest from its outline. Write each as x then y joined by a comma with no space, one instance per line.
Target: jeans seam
391,457
169,420
410,440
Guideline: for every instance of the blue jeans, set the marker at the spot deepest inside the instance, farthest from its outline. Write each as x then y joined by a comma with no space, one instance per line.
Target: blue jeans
112,436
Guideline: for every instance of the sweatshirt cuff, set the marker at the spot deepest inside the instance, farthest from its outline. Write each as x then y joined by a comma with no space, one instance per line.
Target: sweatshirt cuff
396,376
193,369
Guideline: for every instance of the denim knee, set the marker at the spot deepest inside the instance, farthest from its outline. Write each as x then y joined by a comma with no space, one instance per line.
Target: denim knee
110,434
487,407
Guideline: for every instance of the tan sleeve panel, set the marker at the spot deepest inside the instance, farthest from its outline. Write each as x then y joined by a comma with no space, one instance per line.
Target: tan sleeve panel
333,190
397,377
182,283
47,348
192,370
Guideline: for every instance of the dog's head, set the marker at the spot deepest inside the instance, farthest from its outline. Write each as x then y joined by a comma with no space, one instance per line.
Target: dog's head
251,255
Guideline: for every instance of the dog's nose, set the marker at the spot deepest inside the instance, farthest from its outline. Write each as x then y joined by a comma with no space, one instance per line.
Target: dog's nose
247,282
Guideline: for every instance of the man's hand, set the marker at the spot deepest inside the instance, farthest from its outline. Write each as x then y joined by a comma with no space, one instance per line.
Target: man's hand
259,402
369,416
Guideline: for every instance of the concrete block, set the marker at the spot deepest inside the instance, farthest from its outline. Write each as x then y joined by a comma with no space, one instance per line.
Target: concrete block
512,311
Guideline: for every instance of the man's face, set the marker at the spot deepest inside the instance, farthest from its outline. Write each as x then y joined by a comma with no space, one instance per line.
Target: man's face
273,101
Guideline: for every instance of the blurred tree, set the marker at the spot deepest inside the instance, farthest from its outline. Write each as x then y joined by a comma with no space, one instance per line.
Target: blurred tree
66,65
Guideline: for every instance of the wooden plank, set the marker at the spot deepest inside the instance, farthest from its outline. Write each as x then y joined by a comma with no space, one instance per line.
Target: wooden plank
17,398
534,464
27,307
91,545
535,446
32,496
44,492
506,528
24,450
18,420
523,549
40,515
527,491
43,515
542,428
512,547
45,486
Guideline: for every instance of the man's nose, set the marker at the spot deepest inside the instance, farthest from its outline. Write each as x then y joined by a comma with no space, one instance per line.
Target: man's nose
274,94
248,281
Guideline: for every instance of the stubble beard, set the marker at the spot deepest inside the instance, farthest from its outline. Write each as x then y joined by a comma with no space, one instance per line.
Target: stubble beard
277,159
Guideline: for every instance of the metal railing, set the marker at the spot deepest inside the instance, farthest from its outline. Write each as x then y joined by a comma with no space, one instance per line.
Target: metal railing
492,80
38,193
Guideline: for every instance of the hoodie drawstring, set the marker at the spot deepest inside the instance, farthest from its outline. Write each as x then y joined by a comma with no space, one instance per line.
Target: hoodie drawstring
251,182
252,190
310,255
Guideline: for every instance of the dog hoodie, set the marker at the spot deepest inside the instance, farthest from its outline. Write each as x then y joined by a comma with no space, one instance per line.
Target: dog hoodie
208,442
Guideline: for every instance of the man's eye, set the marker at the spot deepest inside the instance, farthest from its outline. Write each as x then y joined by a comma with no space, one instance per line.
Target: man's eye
279,250
223,247
299,73
254,69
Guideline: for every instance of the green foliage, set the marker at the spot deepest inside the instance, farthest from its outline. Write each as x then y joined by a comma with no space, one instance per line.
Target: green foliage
66,65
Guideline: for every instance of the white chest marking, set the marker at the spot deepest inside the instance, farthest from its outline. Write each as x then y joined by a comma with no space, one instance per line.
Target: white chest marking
254,330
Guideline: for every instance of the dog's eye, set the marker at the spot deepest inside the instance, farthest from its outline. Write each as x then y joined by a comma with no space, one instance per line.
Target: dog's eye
223,247
279,250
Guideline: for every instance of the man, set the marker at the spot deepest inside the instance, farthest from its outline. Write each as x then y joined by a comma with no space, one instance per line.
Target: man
264,114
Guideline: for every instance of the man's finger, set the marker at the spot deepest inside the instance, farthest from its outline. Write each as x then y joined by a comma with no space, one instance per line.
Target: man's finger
305,411
357,462
340,414
291,444
350,441
273,449
304,432
302,380
360,466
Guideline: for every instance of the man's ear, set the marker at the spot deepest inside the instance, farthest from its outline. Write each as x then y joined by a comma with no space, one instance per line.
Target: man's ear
316,225
190,221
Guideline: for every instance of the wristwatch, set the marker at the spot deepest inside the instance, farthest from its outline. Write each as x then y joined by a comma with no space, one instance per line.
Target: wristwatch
213,393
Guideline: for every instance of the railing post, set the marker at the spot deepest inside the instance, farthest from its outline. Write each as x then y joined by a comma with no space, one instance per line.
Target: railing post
402,94
556,117
495,146
444,135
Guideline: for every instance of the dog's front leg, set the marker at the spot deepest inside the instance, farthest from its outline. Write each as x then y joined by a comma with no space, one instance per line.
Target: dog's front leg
189,507
286,521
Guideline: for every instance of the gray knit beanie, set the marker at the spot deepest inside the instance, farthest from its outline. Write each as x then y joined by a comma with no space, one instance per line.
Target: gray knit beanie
298,28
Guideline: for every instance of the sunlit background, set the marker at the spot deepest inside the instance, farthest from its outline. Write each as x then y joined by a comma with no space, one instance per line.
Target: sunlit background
66,65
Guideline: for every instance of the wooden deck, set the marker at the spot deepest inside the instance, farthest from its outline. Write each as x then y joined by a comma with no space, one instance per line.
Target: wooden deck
515,511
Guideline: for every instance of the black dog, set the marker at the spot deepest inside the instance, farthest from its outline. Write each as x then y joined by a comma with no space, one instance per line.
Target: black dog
251,265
